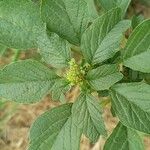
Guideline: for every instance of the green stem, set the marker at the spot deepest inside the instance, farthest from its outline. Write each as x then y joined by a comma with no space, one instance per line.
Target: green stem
16,55
76,49
105,102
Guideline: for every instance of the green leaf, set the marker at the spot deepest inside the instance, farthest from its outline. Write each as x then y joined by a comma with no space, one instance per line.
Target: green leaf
137,51
103,77
102,39
109,4
20,24
2,49
124,138
131,102
136,20
54,130
54,50
87,115
26,81
59,89
146,77
67,18
92,8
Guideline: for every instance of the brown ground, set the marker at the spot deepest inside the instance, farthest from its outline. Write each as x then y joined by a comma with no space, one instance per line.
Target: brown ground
14,133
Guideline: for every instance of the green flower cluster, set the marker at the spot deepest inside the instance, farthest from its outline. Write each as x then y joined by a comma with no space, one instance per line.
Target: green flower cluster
75,74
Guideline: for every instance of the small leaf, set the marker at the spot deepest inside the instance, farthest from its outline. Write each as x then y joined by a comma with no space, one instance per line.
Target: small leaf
92,8
54,130
20,24
26,81
136,20
124,138
67,18
146,77
109,4
60,87
131,102
87,115
54,50
103,77
137,51
103,38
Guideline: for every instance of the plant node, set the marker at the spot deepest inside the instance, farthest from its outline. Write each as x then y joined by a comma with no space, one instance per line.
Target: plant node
75,74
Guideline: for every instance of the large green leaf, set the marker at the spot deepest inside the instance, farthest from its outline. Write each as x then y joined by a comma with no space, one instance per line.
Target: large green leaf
137,51
131,102
67,18
20,24
54,50
87,115
102,39
54,130
123,138
26,81
109,4
104,77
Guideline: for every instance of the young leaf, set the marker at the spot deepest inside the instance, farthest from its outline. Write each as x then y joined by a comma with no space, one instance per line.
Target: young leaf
102,39
54,130
26,81
109,4
92,8
67,18
131,102
20,24
146,77
58,90
54,50
137,51
87,115
123,138
104,77
136,20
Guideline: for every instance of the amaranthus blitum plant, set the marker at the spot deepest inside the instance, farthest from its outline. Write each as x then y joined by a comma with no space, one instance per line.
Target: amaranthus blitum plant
109,64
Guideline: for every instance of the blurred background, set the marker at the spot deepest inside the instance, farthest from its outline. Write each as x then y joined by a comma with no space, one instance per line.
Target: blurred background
16,119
